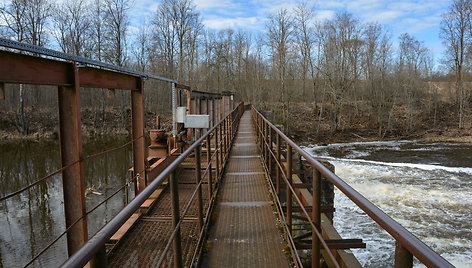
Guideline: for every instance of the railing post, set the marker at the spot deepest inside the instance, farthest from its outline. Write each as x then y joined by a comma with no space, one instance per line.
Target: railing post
73,183
289,182
403,258
225,137
316,216
198,176
217,150
270,152
277,170
174,195
264,148
210,181
221,146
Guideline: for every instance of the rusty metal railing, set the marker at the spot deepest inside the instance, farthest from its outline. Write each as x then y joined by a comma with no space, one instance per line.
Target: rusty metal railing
407,245
224,133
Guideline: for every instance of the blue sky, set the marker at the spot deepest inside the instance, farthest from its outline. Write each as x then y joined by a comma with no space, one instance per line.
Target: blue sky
421,18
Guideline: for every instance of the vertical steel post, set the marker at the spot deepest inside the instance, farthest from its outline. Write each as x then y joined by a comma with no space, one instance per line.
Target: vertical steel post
224,138
73,183
198,176
137,125
222,145
277,170
263,148
316,216
270,152
210,181
403,258
174,195
174,113
2,91
289,182
217,150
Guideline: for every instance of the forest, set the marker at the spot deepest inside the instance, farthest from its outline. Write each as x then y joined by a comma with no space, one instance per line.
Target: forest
337,77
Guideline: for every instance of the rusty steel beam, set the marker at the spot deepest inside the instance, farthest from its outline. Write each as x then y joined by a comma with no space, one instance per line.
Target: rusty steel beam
71,151
25,69
137,126
19,68
2,91
198,178
98,78
316,216
288,192
403,258
210,179
174,195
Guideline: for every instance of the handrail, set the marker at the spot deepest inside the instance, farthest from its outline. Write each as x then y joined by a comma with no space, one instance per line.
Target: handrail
310,221
93,245
409,241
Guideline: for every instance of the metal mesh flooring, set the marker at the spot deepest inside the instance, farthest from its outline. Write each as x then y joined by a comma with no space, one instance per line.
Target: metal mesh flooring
245,233
143,244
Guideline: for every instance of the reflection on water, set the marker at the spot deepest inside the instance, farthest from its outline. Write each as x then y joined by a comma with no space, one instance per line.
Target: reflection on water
425,187
31,220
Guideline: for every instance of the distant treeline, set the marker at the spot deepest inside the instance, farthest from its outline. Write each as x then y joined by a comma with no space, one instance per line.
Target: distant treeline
337,64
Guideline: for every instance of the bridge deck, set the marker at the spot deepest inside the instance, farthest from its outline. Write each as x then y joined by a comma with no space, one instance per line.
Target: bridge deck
245,233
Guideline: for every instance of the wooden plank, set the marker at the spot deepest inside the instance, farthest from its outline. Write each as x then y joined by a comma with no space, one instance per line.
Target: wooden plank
125,227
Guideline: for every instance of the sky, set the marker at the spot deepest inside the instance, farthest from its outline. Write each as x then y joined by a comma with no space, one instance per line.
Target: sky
420,18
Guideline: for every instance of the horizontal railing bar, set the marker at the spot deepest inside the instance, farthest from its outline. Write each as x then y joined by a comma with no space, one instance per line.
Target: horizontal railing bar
414,245
81,257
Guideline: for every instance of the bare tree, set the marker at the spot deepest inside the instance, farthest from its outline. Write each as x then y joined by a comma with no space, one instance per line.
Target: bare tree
304,16
72,20
116,22
279,34
456,32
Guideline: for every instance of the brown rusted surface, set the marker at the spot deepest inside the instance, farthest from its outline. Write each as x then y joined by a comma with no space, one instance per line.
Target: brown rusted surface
143,244
245,233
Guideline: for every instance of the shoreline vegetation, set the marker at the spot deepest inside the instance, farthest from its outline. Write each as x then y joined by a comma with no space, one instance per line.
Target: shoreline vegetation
302,126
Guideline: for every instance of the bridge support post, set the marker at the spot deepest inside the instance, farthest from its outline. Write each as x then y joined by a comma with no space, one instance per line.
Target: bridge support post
137,125
270,152
198,177
217,149
316,216
210,181
289,183
73,183
221,146
174,195
277,170
403,258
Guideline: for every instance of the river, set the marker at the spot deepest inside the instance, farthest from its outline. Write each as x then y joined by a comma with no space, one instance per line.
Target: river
425,187
31,220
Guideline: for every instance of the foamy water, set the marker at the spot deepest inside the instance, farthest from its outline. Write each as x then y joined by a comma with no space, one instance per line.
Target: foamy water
425,187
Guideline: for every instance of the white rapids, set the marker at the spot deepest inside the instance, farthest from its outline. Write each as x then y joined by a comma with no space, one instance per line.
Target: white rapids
425,187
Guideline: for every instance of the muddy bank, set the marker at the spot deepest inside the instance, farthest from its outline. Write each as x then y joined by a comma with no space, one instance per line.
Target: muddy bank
305,128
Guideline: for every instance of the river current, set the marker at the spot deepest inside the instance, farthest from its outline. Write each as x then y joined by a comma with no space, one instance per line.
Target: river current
425,187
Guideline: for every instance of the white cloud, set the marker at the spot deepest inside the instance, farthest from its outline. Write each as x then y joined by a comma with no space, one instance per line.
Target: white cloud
218,23
324,14
211,4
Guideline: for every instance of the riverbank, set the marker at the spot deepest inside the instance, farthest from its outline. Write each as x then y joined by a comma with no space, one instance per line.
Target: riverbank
361,127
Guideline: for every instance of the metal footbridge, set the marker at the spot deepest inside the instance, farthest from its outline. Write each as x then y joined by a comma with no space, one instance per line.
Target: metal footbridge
227,188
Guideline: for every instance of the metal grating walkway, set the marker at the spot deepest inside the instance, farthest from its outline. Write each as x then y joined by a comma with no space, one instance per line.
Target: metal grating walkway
245,233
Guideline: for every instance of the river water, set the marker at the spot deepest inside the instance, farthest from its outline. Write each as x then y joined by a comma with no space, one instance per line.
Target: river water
425,187
31,220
